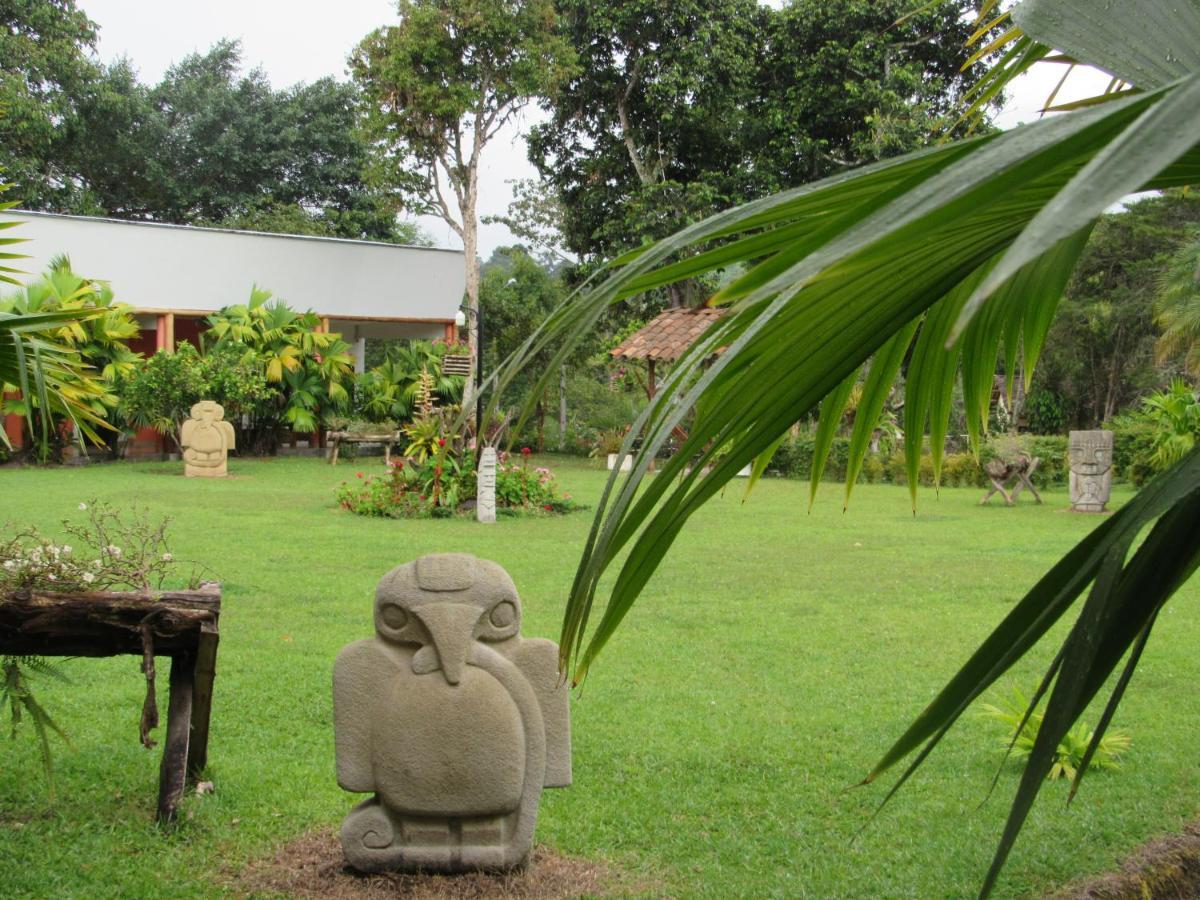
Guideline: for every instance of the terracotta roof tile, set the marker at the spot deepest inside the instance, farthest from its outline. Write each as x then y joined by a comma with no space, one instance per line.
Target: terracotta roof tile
668,334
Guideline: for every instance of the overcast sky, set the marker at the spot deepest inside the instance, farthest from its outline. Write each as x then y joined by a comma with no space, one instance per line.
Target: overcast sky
300,40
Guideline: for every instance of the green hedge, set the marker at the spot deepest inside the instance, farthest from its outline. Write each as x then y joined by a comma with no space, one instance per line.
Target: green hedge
793,459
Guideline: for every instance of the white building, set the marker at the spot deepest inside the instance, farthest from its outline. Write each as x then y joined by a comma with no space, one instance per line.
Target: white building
175,275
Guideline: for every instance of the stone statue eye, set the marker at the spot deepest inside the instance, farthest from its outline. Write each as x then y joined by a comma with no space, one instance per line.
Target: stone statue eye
503,614
395,617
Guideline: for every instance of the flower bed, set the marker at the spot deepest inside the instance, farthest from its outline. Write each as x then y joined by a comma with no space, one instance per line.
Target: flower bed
443,485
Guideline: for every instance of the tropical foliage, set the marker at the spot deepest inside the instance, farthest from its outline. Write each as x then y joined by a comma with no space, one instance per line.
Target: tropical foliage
90,334
307,369
946,257
1178,306
1023,721
389,391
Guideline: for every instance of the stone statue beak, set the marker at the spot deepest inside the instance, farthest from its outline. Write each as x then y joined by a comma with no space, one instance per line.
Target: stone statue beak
452,627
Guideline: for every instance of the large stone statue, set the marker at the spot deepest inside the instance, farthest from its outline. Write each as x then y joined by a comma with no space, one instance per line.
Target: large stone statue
485,486
1090,454
206,440
451,719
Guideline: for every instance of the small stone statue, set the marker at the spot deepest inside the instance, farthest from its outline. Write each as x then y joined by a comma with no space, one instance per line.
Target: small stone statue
452,719
485,486
206,440
1090,454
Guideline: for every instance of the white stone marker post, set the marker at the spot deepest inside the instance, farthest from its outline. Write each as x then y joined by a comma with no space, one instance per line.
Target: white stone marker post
485,493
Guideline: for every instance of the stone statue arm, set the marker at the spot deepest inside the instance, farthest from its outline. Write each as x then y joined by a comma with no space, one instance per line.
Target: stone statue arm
185,434
538,659
226,430
360,677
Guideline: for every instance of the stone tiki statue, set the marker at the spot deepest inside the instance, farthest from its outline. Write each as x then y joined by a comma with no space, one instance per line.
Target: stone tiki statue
485,486
1090,454
206,440
451,719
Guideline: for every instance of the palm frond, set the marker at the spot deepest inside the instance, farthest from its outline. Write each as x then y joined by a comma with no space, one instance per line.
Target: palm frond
963,248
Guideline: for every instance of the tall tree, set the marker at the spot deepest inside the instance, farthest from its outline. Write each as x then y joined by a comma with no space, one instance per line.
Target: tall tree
212,145
439,86
1177,308
1099,355
47,59
517,293
649,132
679,109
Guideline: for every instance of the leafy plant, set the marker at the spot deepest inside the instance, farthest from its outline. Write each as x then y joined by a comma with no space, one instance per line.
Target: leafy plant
1177,309
15,691
1162,431
92,333
940,258
307,370
1023,722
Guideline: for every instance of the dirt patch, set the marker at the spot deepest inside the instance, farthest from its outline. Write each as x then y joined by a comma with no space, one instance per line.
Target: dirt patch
1166,867
313,866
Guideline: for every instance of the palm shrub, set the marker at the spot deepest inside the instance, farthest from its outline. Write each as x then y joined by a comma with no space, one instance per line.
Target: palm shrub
1022,720
94,332
389,391
940,259
307,371
1177,309
1163,430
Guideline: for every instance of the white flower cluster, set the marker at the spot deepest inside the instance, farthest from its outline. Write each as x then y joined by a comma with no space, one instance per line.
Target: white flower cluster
119,551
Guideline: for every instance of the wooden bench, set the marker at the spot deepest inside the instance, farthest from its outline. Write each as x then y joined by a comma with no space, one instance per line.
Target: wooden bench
1001,474
388,438
178,624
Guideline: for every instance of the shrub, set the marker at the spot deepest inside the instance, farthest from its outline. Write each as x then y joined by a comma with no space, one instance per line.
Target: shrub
1071,749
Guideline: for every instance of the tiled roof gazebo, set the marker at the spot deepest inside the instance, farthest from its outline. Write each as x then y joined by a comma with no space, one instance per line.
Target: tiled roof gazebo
666,337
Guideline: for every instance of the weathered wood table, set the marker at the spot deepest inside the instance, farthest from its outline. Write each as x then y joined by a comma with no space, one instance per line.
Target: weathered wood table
388,438
178,624
1001,474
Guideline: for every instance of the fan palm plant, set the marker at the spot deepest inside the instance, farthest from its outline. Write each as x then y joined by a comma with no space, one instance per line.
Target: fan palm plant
948,256
307,368
38,369
99,338
1177,309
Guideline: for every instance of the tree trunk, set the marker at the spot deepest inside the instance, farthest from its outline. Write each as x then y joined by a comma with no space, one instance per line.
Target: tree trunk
562,408
470,226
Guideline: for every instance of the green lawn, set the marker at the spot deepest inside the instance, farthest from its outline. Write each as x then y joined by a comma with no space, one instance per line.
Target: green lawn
771,660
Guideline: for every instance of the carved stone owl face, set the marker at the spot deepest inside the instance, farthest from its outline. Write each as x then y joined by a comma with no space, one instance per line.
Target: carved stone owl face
443,604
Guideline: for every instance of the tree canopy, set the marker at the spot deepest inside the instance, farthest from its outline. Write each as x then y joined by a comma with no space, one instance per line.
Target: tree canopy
209,144
680,109
439,86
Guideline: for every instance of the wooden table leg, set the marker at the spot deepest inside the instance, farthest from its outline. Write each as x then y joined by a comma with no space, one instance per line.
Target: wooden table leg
172,773
1032,489
206,670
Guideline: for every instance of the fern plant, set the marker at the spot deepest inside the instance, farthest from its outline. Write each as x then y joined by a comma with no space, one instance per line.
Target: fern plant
1024,723
15,693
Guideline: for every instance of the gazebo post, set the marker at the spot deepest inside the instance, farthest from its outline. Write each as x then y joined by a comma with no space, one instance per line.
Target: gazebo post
650,385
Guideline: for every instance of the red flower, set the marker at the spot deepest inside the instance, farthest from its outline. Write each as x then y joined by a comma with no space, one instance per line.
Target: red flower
525,451
359,474
548,508
441,442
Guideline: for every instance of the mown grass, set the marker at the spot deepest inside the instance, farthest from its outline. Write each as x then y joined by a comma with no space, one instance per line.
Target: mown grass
772,659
